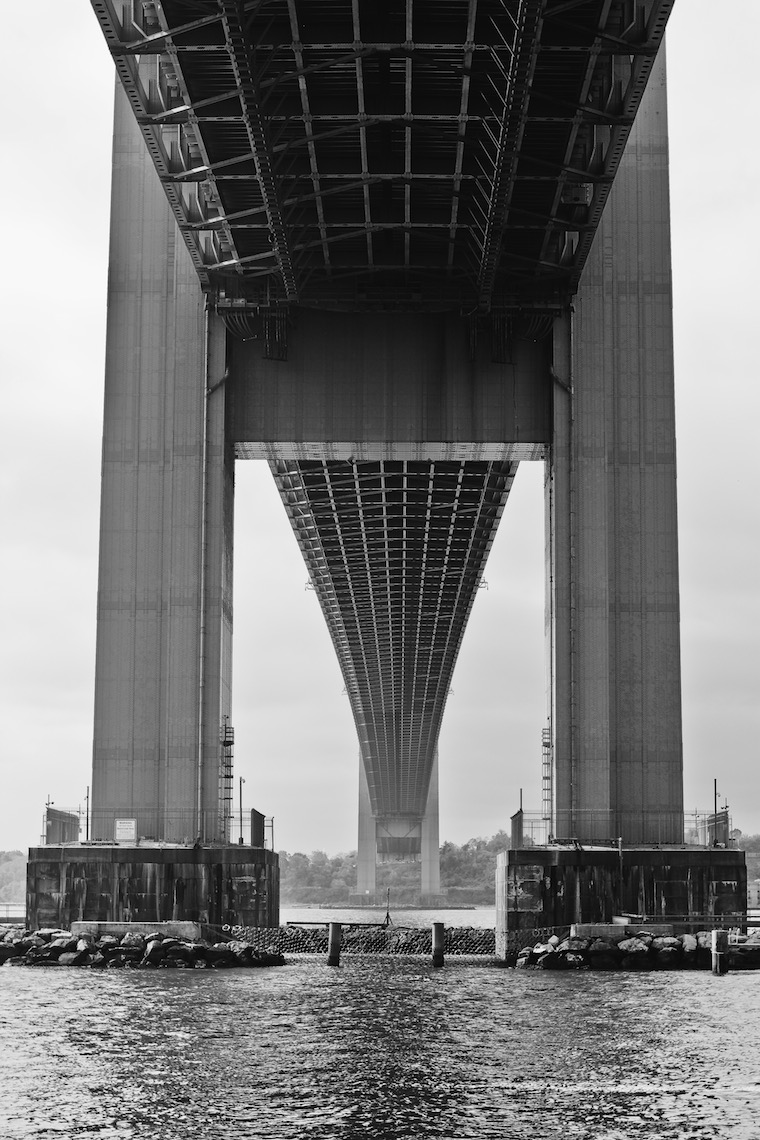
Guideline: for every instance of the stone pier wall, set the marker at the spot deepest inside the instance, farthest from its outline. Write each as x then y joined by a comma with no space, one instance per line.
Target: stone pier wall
556,886
109,883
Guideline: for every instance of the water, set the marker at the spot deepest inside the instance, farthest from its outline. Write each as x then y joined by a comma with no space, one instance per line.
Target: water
382,1048
482,916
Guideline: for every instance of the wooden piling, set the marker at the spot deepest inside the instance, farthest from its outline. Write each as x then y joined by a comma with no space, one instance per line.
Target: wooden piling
437,943
333,943
719,948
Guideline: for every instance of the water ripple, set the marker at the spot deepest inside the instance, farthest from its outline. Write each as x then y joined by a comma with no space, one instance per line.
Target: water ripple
380,1048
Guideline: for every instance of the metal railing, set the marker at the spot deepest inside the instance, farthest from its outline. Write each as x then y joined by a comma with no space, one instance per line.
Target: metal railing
12,911
693,828
130,825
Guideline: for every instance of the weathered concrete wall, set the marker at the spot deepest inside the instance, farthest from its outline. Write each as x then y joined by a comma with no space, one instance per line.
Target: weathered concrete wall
214,885
163,656
550,886
404,381
612,544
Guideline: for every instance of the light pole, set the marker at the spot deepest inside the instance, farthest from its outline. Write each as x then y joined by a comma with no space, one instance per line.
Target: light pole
242,781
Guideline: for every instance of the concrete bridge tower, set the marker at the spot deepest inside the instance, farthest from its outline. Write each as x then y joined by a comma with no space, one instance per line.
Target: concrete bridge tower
394,280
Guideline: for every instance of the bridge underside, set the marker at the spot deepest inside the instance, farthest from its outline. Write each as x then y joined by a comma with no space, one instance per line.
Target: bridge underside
386,212
395,552
409,154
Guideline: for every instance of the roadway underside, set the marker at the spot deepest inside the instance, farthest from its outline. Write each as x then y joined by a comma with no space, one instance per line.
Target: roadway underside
395,552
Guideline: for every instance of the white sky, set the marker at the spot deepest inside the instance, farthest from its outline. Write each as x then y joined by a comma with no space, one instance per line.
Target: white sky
296,744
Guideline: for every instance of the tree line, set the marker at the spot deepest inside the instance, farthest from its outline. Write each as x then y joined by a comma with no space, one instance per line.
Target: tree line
467,873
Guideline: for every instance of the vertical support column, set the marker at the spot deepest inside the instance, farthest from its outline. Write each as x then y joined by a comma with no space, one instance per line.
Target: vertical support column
164,600
612,553
578,600
502,909
438,935
366,856
215,634
430,870
334,939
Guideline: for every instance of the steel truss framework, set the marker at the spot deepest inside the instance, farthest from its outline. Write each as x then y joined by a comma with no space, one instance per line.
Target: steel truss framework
351,153
395,552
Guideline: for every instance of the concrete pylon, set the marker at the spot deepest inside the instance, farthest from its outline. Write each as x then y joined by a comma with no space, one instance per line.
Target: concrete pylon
426,834
366,855
612,553
430,855
163,659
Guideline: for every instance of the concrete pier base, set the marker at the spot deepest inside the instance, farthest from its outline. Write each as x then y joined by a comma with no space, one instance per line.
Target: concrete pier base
216,886
539,887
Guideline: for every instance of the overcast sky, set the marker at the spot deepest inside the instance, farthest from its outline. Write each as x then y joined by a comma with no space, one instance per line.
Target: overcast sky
296,743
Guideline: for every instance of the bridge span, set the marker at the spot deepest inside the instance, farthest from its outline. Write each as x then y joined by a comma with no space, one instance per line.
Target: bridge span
395,249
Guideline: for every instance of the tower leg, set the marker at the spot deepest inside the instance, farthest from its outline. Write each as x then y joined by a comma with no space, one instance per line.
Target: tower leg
163,658
431,858
366,857
612,551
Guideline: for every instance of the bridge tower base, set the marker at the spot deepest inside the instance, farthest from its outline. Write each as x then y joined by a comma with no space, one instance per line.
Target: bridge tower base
554,887
399,838
231,885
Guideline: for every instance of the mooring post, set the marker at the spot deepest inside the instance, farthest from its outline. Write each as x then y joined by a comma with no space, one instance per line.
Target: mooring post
501,935
719,948
437,943
333,943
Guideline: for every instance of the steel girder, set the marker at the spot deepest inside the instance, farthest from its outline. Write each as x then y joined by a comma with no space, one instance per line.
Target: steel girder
395,552
439,154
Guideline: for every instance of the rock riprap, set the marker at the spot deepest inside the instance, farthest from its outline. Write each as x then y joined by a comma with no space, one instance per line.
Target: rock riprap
360,939
19,947
638,951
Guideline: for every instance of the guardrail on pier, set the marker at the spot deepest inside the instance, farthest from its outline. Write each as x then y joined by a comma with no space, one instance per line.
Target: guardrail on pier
13,912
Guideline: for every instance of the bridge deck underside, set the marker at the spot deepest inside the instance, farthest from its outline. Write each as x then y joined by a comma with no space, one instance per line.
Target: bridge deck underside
346,153
395,551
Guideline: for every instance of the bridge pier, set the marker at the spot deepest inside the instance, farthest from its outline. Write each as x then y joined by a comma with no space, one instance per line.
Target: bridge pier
612,548
422,841
163,657
398,415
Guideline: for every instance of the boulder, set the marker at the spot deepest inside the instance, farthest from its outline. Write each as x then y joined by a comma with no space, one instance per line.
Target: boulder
42,956
660,941
64,944
603,954
669,957
562,960
154,952
634,946
689,943
73,958
268,959
133,940
32,941
219,956
576,945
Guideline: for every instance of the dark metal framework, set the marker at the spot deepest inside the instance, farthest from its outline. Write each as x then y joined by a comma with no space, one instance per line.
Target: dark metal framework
449,154
395,552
